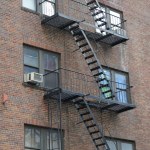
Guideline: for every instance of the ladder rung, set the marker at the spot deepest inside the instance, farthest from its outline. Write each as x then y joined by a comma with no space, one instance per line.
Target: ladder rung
89,119
74,27
95,68
77,33
92,62
97,145
94,14
85,113
88,50
99,80
99,19
92,8
98,74
85,44
80,39
90,56
94,132
106,91
78,101
90,126
97,138
91,2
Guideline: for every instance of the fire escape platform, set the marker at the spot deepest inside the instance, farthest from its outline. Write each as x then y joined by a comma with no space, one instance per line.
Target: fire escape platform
62,21
93,101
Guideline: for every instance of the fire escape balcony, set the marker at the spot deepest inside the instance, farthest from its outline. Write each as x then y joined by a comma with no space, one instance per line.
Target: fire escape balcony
73,84
109,29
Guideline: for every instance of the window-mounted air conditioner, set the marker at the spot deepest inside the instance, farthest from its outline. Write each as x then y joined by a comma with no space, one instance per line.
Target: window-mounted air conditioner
33,78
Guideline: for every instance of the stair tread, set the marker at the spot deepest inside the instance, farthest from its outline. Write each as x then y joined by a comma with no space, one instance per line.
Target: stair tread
74,27
77,33
92,125
97,138
101,79
97,13
89,119
94,132
92,8
97,145
85,51
91,2
78,101
97,74
85,113
103,85
90,56
81,107
80,39
82,45
93,62
102,24
106,91
99,19
95,68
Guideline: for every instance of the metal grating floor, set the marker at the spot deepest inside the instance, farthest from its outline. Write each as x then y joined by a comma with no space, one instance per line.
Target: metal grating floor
110,105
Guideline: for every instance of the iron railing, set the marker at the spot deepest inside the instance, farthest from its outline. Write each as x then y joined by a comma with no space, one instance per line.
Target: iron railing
85,84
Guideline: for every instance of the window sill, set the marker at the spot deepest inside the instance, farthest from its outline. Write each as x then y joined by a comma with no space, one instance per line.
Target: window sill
30,10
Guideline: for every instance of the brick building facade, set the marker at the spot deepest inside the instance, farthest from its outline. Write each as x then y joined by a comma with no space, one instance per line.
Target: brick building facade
25,117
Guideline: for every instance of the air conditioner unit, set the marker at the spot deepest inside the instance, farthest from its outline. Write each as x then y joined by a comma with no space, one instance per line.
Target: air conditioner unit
33,78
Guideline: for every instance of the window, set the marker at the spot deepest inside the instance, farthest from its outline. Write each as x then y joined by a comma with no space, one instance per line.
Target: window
37,138
110,19
30,4
119,82
37,60
116,144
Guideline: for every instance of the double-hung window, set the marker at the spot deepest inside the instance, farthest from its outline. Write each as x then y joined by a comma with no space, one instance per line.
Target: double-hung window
40,61
37,138
119,82
116,144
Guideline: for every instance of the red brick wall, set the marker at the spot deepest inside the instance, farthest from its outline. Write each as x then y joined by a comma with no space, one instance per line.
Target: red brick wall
26,105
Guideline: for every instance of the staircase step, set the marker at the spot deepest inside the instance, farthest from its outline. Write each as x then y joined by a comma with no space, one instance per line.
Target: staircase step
104,85
102,24
77,33
93,8
88,50
92,125
97,145
89,119
74,27
90,56
98,138
81,107
97,13
78,101
91,2
85,44
100,79
106,91
85,113
94,132
99,19
95,68
80,39
98,74
92,62
110,97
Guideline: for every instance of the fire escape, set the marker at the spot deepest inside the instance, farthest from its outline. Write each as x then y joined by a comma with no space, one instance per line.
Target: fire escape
82,90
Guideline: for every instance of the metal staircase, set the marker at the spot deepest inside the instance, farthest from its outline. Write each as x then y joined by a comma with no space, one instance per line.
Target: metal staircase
95,131
92,60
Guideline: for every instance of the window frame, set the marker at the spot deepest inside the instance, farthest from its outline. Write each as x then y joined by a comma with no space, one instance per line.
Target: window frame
31,10
119,141
113,82
43,136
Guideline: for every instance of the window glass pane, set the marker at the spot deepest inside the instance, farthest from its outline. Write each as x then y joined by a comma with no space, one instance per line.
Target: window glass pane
115,19
126,146
112,144
28,137
48,7
50,61
36,138
28,69
31,57
121,87
31,4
